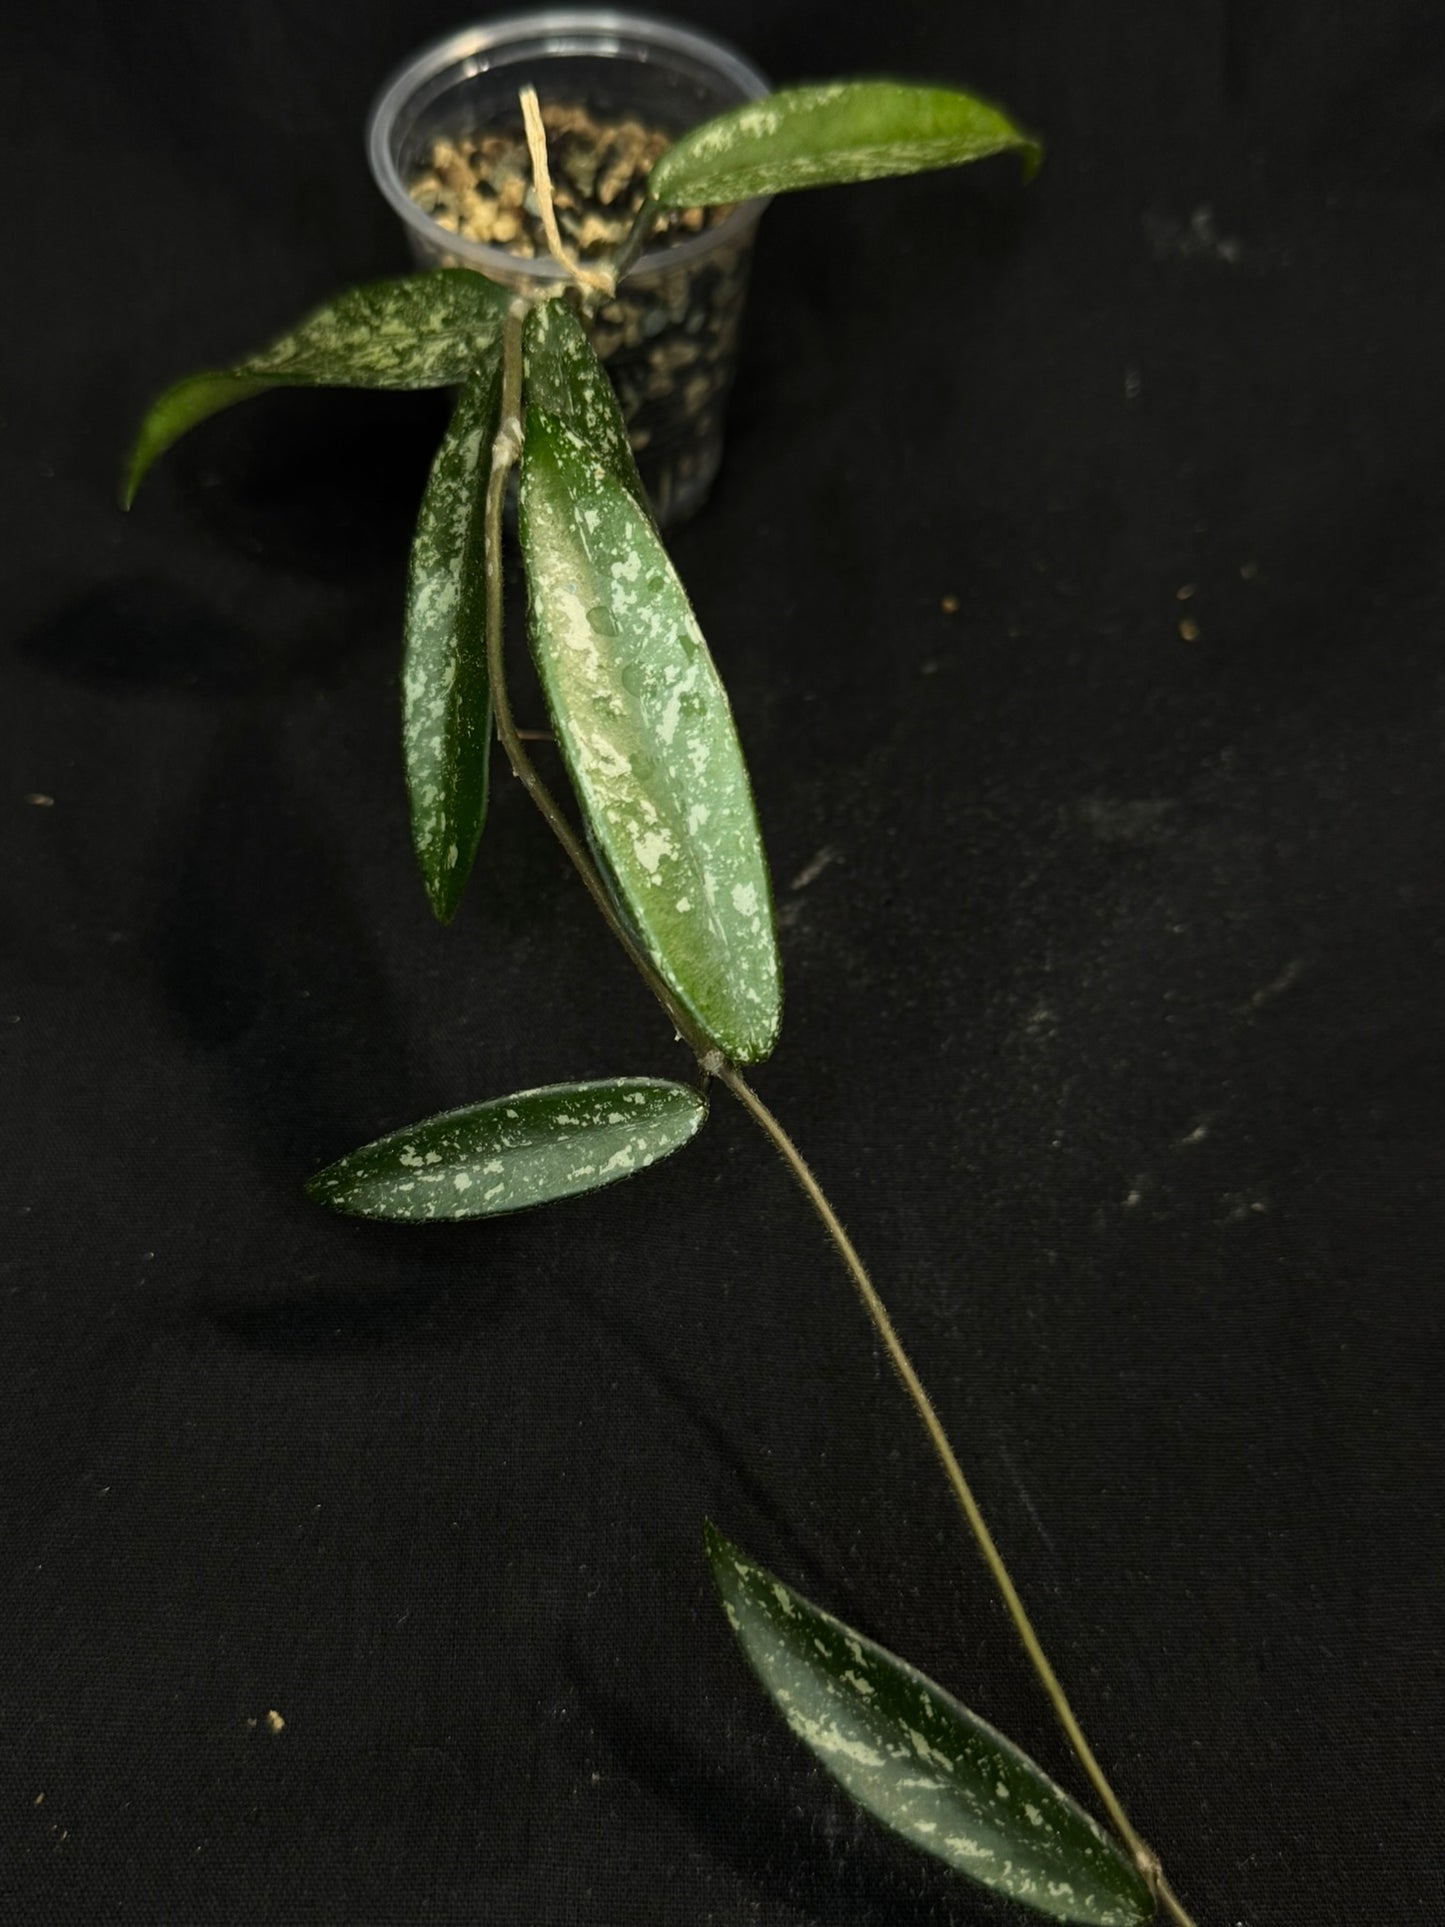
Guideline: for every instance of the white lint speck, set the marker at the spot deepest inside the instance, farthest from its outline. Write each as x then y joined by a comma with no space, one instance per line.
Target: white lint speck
462,1181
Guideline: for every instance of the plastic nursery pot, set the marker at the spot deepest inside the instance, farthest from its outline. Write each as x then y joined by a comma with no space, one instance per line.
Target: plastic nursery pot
447,148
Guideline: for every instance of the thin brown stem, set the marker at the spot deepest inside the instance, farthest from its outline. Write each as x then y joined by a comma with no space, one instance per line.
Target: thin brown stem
1143,1855
1169,1900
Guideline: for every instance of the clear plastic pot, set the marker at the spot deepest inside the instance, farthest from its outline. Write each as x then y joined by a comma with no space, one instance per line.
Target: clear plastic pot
669,338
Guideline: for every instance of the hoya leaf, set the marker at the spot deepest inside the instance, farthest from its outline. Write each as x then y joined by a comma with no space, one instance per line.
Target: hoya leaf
565,379
420,331
514,1152
639,713
919,1761
853,130
446,703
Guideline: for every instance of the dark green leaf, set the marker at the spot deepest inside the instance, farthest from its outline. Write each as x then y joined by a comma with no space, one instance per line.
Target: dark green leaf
514,1152
446,705
422,331
924,1765
640,715
854,130
564,378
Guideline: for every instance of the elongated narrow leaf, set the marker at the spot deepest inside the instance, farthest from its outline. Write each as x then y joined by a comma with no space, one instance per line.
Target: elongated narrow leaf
446,704
924,1765
640,715
854,130
513,1152
420,331
565,380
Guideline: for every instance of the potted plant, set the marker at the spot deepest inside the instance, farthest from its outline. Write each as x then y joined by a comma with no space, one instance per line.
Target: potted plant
668,848
449,153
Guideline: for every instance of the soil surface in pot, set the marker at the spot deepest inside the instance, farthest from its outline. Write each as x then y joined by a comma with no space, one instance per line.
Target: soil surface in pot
479,185
669,334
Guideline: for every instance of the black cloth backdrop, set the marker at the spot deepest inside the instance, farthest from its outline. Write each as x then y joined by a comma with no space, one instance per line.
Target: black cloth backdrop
1113,954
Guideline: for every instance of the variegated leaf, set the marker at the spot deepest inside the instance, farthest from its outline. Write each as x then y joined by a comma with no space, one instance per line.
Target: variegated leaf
421,331
922,1763
446,705
854,130
567,382
639,712
514,1152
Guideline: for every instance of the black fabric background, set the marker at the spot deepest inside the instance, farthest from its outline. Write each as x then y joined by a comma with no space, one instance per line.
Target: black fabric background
1114,1022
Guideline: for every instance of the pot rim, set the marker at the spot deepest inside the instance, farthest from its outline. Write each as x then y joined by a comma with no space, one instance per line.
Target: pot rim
576,30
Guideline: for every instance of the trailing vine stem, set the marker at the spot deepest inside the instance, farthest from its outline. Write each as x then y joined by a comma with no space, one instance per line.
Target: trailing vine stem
713,1064
1144,1856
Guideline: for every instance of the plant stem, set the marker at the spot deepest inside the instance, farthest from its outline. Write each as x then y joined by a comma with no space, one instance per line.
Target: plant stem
637,235
505,450
1144,1856
1169,1900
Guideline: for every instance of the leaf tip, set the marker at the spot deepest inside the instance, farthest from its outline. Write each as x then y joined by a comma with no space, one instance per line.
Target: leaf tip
133,473
321,1185
728,1562
444,896
759,1044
